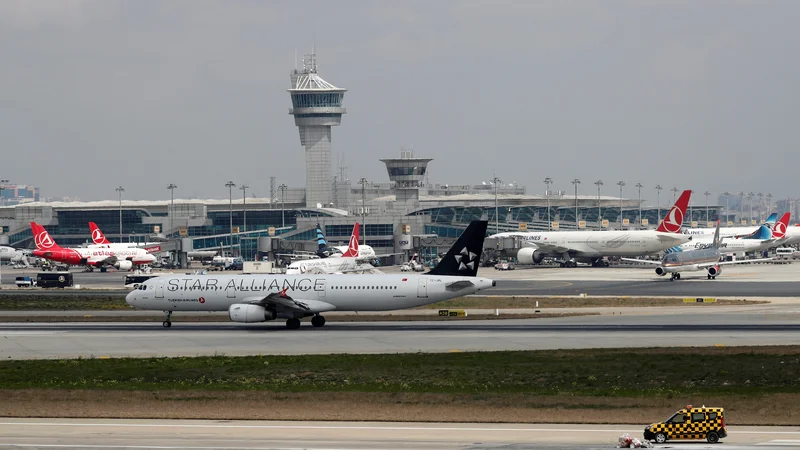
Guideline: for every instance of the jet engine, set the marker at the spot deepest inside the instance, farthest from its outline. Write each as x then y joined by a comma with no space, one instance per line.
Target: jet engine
123,265
529,256
714,270
660,271
244,313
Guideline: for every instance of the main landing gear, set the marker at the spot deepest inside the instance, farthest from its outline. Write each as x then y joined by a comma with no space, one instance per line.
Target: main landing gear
712,277
600,262
294,323
167,323
569,263
675,276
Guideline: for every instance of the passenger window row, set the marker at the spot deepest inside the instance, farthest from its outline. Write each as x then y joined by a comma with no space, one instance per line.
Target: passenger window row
363,287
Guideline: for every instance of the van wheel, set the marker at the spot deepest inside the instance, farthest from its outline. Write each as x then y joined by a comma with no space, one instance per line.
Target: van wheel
661,438
712,437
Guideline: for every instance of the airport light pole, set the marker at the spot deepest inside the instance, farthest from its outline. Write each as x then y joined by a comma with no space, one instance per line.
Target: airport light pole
171,188
760,207
727,219
575,183
495,182
230,185
282,188
621,184
750,196
120,190
363,183
658,200
244,206
639,186
599,183
547,182
741,206
706,193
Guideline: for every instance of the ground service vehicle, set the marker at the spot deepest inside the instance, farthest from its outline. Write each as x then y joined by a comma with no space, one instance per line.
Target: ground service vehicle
53,279
689,423
133,281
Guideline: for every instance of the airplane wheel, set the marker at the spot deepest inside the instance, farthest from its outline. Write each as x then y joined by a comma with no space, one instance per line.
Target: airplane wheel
318,321
677,276
293,323
166,324
606,264
709,277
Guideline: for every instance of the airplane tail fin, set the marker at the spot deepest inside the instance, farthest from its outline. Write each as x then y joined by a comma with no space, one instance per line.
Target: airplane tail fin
352,246
42,238
97,236
716,236
779,230
772,219
464,256
673,221
321,242
762,232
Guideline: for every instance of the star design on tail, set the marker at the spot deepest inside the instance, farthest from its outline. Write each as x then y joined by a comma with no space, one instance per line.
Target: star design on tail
465,260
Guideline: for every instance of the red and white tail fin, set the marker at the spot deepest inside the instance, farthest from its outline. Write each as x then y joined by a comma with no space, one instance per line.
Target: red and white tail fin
352,246
779,230
673,221
97,236
42,238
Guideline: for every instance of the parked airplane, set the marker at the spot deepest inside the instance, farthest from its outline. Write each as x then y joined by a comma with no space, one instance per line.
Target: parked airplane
761,239
731,231
350,260
13,256
325,251
99,241
259,298
120,258
593,246
707,259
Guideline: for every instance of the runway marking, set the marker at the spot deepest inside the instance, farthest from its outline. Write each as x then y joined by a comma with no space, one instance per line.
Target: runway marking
164,447
360,427
781,443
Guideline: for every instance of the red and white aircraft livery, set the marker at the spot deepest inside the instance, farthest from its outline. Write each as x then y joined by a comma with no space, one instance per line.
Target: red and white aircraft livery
121,258
100,241
351,260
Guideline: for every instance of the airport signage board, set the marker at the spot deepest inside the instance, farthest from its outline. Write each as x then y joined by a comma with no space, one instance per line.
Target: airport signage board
156,229
605,223
582,224
523,226
554,225
694,224
645,222
744,221
709,224
452,313
730,223
406,229
752,221
626,221
271,231
235,229
183,232
700,300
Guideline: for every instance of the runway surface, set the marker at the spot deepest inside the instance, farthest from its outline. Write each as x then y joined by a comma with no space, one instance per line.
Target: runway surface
186,434
634,327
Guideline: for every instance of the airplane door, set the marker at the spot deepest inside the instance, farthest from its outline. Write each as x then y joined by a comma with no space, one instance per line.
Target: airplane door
422,288
320,287
230,292
160,289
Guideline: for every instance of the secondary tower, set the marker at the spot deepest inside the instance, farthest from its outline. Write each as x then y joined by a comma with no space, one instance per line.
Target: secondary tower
316,107
407,172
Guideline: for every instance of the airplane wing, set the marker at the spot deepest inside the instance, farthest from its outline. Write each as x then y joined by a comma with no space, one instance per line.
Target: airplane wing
739,261
283,301
550,249
643,261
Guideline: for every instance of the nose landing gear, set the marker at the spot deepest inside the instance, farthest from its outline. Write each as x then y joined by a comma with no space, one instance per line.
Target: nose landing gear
167,322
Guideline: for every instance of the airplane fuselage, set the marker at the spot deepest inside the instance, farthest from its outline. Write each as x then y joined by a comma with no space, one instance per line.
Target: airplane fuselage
343,292
328,265
596,244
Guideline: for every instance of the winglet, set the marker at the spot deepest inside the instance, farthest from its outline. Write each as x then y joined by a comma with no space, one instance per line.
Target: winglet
673,221
773,218
97,236
321,243
779,230
42,238
352,246
464,256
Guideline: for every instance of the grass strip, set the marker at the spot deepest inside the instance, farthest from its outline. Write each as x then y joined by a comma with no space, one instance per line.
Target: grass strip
654,372
10,302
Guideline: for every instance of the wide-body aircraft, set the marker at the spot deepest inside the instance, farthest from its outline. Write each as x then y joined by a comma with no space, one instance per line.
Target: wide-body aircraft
260,298
120,258
593,246
732,231
762,238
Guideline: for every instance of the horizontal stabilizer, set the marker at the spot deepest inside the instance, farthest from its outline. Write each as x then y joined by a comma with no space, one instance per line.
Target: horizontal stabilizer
459,285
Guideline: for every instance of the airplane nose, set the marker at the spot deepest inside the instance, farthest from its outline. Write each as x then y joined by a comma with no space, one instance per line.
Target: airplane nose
131,298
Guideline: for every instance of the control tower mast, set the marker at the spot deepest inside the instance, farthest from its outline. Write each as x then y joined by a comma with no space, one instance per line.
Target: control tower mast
316,107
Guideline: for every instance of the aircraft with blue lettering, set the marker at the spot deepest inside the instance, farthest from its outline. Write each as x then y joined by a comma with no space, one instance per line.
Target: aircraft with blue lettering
732,231
762,238
260,298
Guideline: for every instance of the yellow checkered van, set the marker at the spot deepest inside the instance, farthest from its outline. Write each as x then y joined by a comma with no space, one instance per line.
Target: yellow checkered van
690,423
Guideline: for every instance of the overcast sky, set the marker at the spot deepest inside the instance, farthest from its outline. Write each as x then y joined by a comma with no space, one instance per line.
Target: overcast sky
694,94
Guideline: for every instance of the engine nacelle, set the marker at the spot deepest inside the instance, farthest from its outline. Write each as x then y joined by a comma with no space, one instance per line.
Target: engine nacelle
529,256
714,270
244,313
660,271
123,265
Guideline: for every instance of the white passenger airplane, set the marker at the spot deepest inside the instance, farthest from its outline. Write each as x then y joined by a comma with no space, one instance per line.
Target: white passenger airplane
13,256
259,298
761,239
731,231
351,260
593,246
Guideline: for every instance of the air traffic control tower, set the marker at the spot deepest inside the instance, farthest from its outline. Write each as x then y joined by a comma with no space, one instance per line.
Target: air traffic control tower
316,107
407,172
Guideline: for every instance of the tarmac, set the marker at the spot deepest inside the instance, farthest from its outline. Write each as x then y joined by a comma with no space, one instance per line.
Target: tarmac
230,435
